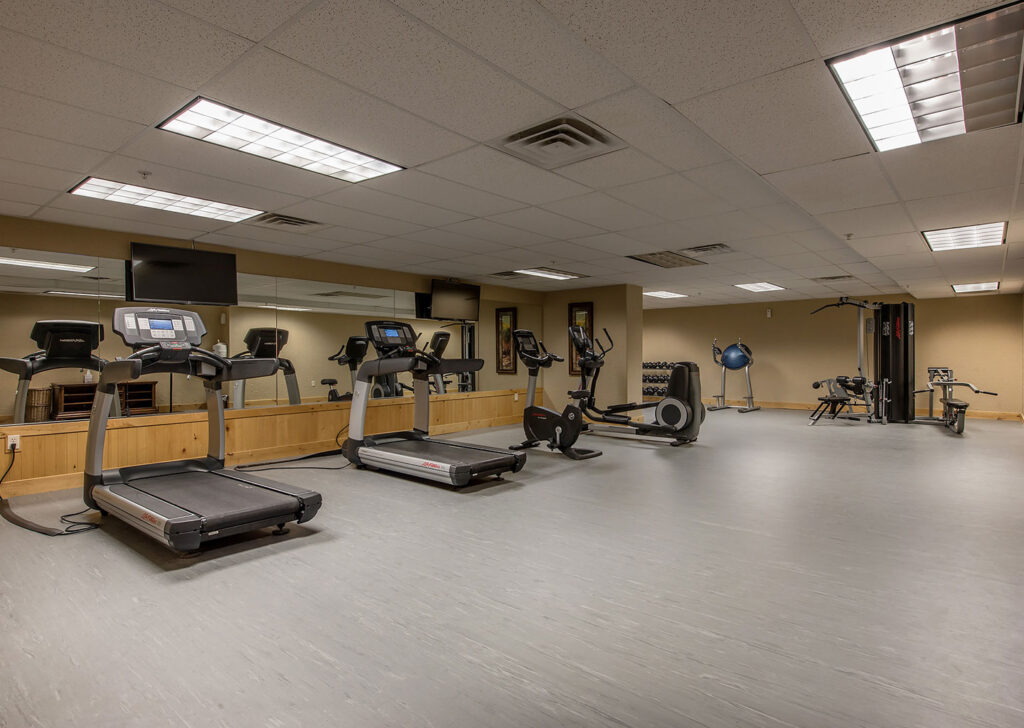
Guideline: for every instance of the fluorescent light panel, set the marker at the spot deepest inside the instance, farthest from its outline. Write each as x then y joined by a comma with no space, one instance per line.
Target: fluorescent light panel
975,287
555,275
104,189
664,294
227,127
82,294
70,267
759,287
970,236
287,308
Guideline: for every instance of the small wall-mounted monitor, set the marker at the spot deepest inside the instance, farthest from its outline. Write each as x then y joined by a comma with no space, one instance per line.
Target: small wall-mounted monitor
162,274
454,301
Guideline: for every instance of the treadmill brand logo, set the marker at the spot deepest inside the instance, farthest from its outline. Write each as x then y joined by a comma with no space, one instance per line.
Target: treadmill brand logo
72,341
428,464
150,519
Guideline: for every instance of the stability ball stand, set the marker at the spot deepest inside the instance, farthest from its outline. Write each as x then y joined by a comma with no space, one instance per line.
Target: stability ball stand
736,356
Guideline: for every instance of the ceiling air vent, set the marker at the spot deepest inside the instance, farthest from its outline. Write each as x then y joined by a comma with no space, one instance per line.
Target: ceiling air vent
666,259
834,279
706,251
277,220
507,275
559,142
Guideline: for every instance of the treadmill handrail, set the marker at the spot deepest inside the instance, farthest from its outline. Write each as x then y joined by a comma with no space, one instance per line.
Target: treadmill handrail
122,370
389,365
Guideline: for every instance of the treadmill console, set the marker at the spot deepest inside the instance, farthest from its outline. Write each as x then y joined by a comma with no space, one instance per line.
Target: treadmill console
389,336
67,339
266,343
147,325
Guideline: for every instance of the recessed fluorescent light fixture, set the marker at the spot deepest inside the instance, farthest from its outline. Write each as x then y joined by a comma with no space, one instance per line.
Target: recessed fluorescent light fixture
970,236
103,189
287,308
218,124
70,267
759,287
975,287
82,294
943,82
664,294
555,275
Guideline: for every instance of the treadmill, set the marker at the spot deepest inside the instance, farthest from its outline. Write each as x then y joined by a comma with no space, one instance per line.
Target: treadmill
62,345
184,503
266,343
412,452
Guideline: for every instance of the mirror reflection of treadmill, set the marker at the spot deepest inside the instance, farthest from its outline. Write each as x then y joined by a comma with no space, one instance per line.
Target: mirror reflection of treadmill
413,452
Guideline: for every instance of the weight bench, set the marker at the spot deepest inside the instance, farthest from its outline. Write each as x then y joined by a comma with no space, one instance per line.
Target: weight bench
831,405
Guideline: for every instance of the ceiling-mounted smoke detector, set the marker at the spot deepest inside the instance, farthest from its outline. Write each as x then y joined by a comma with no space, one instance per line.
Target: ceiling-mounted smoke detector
666,259
558,142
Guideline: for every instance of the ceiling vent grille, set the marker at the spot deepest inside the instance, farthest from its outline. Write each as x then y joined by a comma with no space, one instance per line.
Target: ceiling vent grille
558,142
706,251
666,259
507,275
277,220
834,279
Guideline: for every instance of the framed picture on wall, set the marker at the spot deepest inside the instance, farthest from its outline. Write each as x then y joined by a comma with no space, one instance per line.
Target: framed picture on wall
505,360
580,314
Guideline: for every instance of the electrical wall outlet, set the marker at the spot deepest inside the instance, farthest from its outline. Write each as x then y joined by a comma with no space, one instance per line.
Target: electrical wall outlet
515,397
312,382
13,443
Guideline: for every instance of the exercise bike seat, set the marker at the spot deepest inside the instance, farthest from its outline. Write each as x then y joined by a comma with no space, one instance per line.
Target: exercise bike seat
329,382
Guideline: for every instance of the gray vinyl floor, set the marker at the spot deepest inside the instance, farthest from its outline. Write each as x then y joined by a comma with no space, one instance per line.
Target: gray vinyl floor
771,575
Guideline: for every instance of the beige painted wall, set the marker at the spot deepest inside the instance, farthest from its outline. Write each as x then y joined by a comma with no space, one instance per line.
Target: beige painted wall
980,337
20,312
312,337
616,308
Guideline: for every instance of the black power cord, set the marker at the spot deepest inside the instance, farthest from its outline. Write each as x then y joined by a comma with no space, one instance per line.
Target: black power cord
71,528
276,464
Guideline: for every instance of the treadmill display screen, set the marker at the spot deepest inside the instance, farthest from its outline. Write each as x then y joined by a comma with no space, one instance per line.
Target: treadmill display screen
391,333
163,324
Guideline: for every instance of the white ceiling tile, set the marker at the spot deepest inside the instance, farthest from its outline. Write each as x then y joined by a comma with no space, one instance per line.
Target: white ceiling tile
863,269
348,236
37,176
783,218
917,275
129,218
12,192
496,233
735,183
818,239
843,184
519,37
956,260
366,199
492,171
253,19
671,197
656,128
183,182
452,239
793,118
768,245
402,246
545,223
615,243
889,244
820,271
613,169
868,222
39,68
17,209
842,257
147,37
568,251
727,226
653,41
42,117
48,152
260,246
854,24
342,256
282,237
174,150
967,208
976,161
345,217
889,263
794,261
602,211
672,235
425,72
277,88
416,185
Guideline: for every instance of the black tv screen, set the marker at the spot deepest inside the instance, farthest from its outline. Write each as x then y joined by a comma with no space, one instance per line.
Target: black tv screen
454,301
160,274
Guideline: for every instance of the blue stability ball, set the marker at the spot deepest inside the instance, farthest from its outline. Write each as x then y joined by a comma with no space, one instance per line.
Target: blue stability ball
736,356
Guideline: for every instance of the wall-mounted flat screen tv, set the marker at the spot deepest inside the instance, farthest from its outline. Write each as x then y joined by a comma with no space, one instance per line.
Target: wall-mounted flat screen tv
454,301
162,274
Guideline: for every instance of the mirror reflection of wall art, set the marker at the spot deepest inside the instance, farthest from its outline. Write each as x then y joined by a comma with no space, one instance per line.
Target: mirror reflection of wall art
580,314
504,325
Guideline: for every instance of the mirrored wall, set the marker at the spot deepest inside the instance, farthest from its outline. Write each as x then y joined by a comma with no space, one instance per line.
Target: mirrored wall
307,321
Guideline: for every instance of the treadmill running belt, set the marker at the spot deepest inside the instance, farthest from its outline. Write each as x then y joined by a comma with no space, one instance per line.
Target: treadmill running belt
220,501
473,456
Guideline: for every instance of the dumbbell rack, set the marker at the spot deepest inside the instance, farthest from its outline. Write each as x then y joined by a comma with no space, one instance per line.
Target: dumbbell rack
651,379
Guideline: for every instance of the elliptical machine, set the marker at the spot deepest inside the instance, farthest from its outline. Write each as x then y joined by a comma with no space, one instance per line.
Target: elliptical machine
352,353
541,424
677,416
736,356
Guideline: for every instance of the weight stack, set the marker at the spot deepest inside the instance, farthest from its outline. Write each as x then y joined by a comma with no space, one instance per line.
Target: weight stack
894,358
